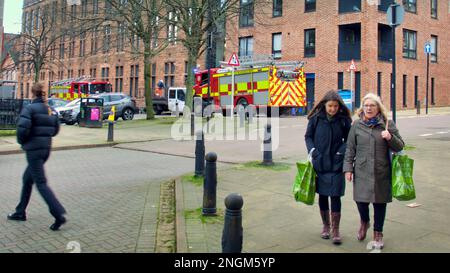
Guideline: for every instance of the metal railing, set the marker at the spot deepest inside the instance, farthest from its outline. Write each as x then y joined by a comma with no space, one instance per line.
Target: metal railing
9,112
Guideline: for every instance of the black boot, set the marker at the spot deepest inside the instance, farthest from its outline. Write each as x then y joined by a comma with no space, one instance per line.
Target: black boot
58,223
17,216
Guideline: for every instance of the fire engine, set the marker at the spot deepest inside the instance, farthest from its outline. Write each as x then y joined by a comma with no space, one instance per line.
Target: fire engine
70,89
273,84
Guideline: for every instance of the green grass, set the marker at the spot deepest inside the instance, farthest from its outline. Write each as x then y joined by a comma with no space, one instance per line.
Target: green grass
4,133
409,148
197,181
258,164
197,214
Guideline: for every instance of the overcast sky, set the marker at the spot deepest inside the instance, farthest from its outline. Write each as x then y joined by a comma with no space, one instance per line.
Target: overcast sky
12,16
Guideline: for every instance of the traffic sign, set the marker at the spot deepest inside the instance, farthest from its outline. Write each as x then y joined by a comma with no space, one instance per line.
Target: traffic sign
395,14
352,66
427,48
234,60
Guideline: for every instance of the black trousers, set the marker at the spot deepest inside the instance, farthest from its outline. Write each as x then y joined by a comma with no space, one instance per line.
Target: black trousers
335,203
34,173
379,214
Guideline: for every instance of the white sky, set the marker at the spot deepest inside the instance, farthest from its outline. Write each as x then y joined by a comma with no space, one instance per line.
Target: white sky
12,16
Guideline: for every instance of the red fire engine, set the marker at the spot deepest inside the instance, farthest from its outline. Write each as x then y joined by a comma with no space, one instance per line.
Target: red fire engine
81,87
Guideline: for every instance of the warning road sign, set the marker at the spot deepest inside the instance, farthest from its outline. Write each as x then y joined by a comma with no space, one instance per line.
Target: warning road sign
234,60
352,66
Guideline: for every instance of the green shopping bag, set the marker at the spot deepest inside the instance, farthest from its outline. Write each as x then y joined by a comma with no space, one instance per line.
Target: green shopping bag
402,178
304,187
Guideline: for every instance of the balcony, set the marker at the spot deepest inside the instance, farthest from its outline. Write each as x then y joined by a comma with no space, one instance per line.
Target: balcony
349,51
384,51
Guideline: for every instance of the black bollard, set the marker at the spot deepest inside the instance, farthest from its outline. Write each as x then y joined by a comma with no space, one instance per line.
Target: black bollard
110,131
210,185
199,154
267,154
192,124
232,228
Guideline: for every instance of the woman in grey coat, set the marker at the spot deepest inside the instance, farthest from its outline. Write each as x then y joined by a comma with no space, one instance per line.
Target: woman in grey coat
367,163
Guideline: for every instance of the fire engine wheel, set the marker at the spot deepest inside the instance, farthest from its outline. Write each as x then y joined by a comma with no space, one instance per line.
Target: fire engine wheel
242,102
128,114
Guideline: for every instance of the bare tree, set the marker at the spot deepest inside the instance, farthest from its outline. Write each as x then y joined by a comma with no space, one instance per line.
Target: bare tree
144,20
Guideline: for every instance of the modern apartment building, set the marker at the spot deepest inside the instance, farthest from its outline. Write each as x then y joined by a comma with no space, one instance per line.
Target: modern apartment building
328,34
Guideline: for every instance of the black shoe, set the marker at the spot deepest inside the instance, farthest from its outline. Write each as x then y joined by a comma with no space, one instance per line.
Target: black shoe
58,223
17,217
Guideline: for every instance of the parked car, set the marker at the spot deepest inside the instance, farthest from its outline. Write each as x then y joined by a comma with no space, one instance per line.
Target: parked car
70,113
55,103
125,105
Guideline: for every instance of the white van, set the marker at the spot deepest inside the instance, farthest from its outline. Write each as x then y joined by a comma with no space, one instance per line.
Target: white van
176,95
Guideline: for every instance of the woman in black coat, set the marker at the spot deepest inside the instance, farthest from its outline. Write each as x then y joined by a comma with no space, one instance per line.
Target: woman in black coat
37,124
325,137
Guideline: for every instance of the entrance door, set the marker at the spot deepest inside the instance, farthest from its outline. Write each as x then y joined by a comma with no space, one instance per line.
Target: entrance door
310,90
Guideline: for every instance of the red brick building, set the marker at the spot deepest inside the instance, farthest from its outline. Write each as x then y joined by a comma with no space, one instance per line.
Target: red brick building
328,34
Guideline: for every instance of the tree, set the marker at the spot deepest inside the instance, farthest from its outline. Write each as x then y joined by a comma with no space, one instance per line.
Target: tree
144,19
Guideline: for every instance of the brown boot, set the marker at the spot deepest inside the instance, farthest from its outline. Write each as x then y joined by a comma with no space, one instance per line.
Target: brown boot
325,214
363,230
335,220
378,240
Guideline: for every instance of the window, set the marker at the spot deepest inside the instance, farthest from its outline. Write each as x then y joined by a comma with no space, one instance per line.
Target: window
119,79
82,44
169,77
153,76
277,9
409,44
105,73
84,8
121,37
433,102
72,47
70,73
61,47
172,28
63,12
310,5
73,12
134,80
245,46
37,18
383,5
434,43
60,75
80,72
42,76
246,13
53,12
379,84
276,45
404,91
93,72
51,76
349,6
31,23
310,42
24,22
135,43
410,5
94,41
340,83
107,38
95,7
434,9
349,42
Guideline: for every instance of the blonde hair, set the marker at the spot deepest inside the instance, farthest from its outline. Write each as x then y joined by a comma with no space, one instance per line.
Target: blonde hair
38,91
377,100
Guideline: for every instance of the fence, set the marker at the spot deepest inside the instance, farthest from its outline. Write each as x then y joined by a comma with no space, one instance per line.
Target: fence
9,112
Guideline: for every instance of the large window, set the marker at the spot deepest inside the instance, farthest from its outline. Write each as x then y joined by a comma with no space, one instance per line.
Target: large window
95,7
119,79
409,44
121,37
310,42
434,44
434,8
410,5
82,44
246,13
106,38
84,7
61,47
169,74
277,8
383,5
94,41
310,5
276,45
349,6
246,46
105,73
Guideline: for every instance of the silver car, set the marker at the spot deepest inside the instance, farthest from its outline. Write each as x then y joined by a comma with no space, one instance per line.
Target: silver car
124,104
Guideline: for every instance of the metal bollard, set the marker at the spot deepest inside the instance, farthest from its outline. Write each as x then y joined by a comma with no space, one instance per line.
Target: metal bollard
210,185
418,107
110,131
199,154
232,228
192,124
177,110
250,114
267,154
241,112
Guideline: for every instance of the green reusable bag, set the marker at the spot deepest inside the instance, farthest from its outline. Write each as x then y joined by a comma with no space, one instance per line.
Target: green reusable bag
402,178
304,187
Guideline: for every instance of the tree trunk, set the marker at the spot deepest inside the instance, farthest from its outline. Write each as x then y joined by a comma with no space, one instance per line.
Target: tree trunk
147,84
192,62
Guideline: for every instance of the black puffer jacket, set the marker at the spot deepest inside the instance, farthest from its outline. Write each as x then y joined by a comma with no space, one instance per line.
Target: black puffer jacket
36,127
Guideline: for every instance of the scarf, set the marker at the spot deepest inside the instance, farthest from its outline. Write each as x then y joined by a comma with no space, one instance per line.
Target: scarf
372,121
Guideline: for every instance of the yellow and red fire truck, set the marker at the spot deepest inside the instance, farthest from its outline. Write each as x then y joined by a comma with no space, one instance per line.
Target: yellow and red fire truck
279,84
81,87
